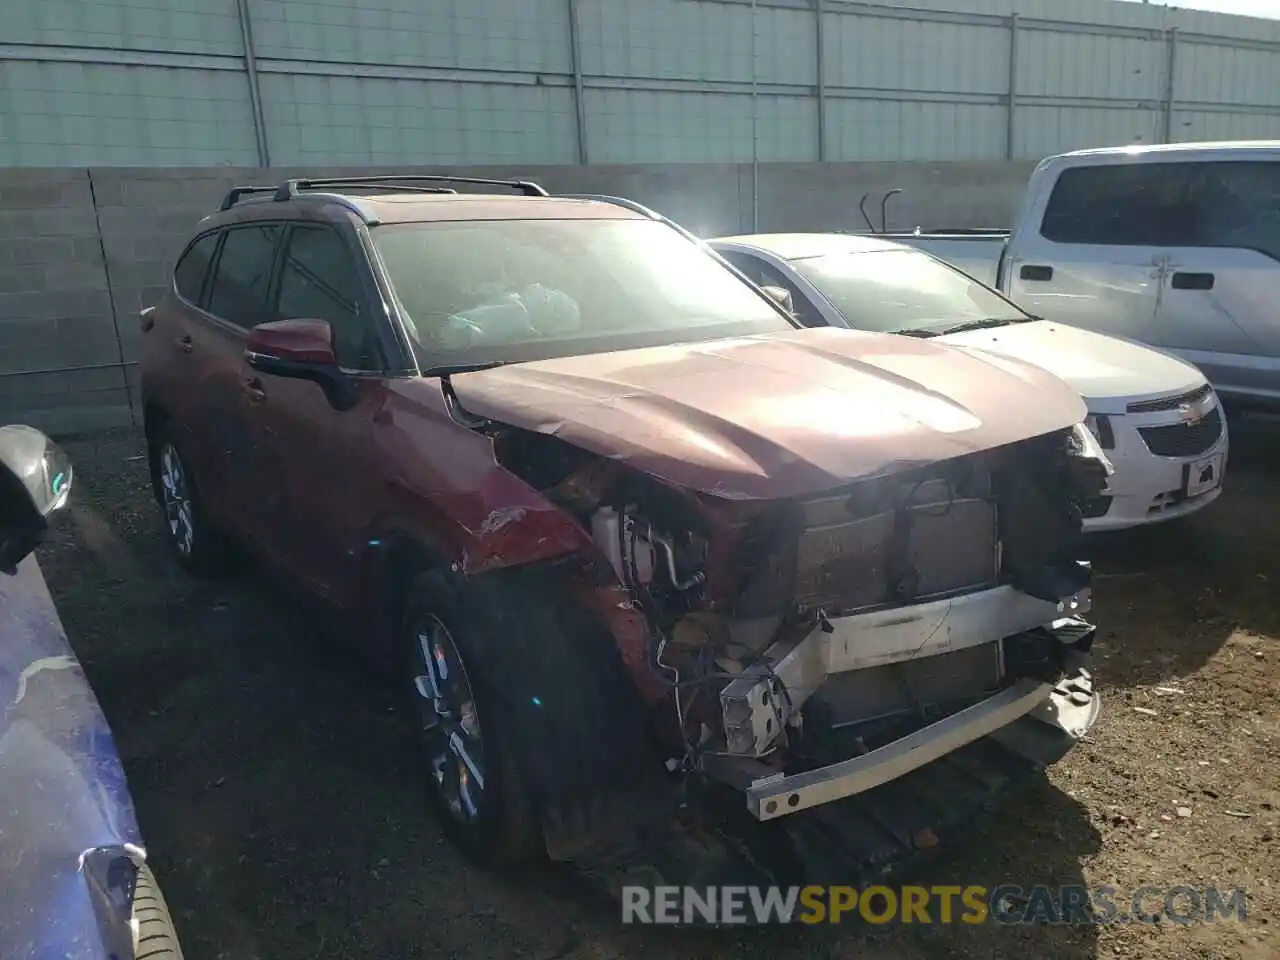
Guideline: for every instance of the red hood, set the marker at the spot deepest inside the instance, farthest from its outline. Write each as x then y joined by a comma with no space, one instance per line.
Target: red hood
781,415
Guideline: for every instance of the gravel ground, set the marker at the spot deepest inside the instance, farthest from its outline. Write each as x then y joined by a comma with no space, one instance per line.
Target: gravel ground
285,819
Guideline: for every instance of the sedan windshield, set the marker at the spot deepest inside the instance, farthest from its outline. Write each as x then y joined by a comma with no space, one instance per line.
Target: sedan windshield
905,291
478,293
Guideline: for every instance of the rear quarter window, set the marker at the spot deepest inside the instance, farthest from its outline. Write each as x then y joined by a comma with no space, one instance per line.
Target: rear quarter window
192,267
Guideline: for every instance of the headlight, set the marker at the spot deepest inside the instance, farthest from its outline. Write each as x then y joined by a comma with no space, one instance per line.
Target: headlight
1100,426
1082,443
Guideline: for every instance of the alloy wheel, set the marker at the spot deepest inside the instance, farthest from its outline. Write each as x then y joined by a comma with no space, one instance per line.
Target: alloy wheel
450,721
176,493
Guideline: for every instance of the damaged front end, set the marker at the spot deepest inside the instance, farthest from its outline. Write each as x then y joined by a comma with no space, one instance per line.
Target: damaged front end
809,650
844,572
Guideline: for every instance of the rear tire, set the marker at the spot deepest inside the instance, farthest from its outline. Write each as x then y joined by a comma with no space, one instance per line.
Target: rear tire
196,544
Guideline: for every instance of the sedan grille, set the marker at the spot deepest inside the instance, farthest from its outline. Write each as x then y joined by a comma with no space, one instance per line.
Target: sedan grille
1170,403
1184,440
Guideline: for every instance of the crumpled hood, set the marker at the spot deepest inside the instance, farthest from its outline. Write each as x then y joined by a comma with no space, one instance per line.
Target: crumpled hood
1100,367
777,416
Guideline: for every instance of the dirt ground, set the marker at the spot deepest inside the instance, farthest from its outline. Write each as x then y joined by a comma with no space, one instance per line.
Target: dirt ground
285,819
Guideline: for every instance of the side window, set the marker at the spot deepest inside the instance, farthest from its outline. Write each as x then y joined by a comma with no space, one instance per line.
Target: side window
747,264
766,275
239,290
319,280
1239,206
1139,204
189,274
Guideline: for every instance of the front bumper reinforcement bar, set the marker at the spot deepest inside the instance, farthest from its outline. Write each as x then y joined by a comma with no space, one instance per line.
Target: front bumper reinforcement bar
780,795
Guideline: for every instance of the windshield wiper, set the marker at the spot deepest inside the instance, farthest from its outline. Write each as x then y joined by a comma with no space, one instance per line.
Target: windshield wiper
987,324
922,332
452,369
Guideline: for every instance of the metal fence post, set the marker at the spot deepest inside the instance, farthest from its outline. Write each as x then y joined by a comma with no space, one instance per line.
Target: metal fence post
255,93
579,100
755,120
820,75
1011,119
1171,81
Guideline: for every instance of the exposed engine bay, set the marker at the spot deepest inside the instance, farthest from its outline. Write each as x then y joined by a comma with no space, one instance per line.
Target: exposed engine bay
812,648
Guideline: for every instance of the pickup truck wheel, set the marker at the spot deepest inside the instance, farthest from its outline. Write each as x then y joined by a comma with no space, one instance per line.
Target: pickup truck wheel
535,738
198,547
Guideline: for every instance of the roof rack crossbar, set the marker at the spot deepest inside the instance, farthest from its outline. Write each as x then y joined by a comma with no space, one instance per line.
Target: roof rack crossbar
290,188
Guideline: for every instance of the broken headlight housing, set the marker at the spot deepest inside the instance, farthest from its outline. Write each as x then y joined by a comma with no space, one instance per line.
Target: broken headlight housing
1092,469
1082,443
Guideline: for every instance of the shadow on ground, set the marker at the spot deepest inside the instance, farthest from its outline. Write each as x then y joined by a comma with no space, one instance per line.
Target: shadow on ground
282,804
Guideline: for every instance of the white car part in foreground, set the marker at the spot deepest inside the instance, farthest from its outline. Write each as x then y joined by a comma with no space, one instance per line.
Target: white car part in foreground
1154,414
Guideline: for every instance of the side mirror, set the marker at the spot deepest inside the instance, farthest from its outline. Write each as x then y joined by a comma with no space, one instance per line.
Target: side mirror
301,350
781,296
35,482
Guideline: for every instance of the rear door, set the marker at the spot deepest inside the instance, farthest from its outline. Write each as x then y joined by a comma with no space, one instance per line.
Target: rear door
169,362
317,487
1089,248
211,347
1218,303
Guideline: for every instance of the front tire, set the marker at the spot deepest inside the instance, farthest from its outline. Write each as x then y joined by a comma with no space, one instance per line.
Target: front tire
568,764
473,782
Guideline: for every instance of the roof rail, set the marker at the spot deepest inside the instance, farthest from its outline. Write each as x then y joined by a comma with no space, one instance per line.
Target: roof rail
290,188
634,207
408,183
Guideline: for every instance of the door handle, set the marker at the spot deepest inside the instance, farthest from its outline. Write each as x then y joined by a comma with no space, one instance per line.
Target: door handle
254,388
1193,281
185,344
1036,272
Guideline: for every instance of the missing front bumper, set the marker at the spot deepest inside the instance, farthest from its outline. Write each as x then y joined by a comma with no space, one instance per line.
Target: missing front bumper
1045,704
1072,712
1038,721
758,707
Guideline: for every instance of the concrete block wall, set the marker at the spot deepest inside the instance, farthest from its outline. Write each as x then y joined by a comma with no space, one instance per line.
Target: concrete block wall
59,351
69,334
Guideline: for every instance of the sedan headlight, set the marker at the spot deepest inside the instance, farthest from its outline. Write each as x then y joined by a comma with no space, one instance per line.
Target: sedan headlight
1082,442
1100,426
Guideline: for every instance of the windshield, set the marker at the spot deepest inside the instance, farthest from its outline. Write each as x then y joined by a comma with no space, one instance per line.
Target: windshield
892,291
482,292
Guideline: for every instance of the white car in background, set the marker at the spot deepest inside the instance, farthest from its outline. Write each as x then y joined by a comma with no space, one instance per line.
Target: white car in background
1156,416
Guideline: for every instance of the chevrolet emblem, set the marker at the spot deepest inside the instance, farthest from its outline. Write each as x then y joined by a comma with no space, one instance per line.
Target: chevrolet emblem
1191,414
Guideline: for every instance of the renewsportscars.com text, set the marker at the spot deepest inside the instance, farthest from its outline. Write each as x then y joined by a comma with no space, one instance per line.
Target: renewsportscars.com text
1007,904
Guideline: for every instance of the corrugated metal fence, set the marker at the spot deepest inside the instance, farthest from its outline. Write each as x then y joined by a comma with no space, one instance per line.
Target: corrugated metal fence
710,110
308,82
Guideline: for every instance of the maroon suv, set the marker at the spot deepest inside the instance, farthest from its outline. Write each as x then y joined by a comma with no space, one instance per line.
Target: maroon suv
632,529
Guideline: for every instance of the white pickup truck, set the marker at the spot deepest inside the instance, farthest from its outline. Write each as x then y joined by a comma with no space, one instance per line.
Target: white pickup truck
1176,246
